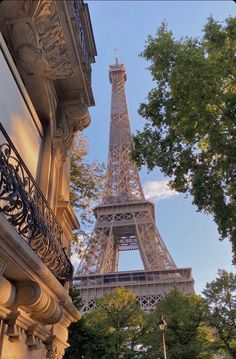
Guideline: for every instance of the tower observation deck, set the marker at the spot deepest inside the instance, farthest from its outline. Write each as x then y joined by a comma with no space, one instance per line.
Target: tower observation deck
125,221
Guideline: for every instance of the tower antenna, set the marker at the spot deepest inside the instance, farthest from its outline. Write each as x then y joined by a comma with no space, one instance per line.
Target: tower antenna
116,56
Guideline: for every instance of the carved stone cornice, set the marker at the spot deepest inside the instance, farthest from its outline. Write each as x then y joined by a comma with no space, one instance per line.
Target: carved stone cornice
66,212
46,44
7,292
12,329
74,117
38,39
28,262
32,340
53,349
33,299
52,39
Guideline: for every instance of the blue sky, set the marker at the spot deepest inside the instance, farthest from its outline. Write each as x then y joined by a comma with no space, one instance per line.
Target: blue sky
191,237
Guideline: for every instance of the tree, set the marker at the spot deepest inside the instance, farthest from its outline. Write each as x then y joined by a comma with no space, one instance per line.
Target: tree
121,321
186,335
190,130
87,180
220,296
85,342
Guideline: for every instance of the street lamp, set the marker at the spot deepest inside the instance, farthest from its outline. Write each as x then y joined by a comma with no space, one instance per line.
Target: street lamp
163,325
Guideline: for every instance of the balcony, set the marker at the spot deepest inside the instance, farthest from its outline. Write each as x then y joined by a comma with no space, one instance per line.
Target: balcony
84,45
26,209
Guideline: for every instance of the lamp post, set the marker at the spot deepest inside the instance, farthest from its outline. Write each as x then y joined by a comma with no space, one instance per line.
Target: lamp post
163,325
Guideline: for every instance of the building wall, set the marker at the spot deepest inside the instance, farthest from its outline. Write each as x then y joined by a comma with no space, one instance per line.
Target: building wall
24,130
46,48
20,350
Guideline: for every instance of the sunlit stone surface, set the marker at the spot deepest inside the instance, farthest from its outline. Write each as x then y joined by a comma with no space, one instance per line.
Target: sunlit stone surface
46,51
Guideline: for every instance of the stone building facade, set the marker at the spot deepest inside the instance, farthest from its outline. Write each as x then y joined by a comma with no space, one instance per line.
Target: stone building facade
46,51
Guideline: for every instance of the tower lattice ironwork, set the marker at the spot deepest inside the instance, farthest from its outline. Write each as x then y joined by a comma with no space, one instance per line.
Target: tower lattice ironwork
125,221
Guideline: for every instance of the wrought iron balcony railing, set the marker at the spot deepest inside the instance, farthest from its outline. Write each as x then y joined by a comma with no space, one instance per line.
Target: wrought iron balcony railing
82,37
25,207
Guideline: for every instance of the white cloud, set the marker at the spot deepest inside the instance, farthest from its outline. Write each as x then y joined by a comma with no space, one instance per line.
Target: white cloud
157,190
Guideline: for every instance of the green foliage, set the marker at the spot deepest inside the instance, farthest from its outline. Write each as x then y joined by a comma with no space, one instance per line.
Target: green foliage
85,342
121,321
75,296
220,296
196,328
190,130
186,335
87,180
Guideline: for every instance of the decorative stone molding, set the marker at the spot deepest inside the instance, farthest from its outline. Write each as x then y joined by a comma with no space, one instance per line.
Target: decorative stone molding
73,117
40,304
7,293
53,351
53,47
29,52
12,329
59,151
36,270
32,340
2,266
39,40
49,344
68,221
52,40
76,114
46,340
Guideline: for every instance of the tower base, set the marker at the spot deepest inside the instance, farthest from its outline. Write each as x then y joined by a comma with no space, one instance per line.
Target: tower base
149,287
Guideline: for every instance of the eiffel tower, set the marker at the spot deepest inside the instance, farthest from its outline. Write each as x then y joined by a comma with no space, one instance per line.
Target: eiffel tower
125,221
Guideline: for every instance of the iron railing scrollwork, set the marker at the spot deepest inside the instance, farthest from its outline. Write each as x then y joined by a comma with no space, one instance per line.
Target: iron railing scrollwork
82,37
25,207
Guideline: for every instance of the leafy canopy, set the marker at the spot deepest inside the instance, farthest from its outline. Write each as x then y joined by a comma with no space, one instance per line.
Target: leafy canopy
121,321
85,342
87,180
186,335
196,328
220,296
190,130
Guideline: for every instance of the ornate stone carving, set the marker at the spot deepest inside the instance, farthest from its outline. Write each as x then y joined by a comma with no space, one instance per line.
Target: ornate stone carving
28,49
12,329
39,40
32,340
77,116
23,7
7,293
59,150
63,141
53,351
49,344
74,117
52,39
35,300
